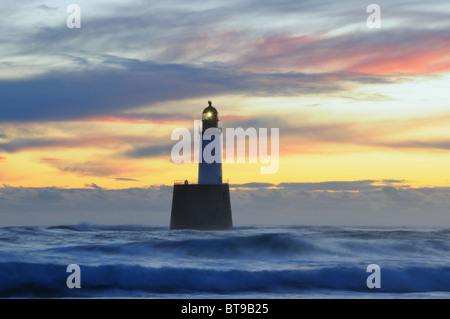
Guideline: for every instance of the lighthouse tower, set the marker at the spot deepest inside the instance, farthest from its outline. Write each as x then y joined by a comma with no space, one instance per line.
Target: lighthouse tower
204,205
210,167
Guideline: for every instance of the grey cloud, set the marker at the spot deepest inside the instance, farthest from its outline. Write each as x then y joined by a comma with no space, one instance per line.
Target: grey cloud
360,186
432,144
93,185
19,144
385,207
92,167
364,185
61,96
150,151
117,28
47,8
58,206
252,185
392,181
252,204
89,168
16,145
68,96
49,195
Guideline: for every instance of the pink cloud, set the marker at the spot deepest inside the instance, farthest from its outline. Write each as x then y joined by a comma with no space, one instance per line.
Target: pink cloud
383,53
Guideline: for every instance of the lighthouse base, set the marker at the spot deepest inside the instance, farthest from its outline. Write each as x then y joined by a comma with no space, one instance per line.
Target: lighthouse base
201,206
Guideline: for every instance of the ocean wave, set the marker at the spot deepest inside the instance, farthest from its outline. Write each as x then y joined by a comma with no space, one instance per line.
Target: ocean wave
127,261
85,227
246,245
49,280
265,245
275,244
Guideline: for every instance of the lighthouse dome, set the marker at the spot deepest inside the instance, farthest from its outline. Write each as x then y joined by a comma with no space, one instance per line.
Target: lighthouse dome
210,113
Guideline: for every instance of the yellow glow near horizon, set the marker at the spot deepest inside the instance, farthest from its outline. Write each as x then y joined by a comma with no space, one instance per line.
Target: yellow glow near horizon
417,169
383,128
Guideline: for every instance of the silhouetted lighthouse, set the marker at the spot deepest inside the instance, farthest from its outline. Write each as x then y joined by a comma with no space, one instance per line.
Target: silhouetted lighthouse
205,205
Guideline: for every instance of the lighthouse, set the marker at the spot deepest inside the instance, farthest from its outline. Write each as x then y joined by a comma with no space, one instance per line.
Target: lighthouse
210,166
206,204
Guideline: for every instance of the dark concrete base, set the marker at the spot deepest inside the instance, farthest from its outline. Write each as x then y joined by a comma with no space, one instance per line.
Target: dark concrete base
201,206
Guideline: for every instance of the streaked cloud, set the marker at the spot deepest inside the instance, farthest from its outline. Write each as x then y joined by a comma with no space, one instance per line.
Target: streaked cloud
388,52
125,179
107,93
150,151
94,167
20,144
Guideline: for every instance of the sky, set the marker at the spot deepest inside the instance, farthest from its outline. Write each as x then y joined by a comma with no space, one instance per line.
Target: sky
86,114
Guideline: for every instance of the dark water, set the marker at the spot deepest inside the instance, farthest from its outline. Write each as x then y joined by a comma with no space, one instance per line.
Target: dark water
245,262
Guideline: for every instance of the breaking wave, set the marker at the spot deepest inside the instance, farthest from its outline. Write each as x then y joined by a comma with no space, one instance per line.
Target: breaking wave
268,245
49,280
140,261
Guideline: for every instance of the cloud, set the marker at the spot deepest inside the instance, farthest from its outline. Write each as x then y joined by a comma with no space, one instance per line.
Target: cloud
64,96
330,203
408,51
134,83
252,185
50,159
47,8
441,144
205,51
94,167
368,206
249,35
393,181
132,56
19,144
358,186
30,143
93,185
150,151
124,179
145,118
318,136
364,185
59,206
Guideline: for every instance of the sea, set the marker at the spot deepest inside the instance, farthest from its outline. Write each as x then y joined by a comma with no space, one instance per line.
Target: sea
289,262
